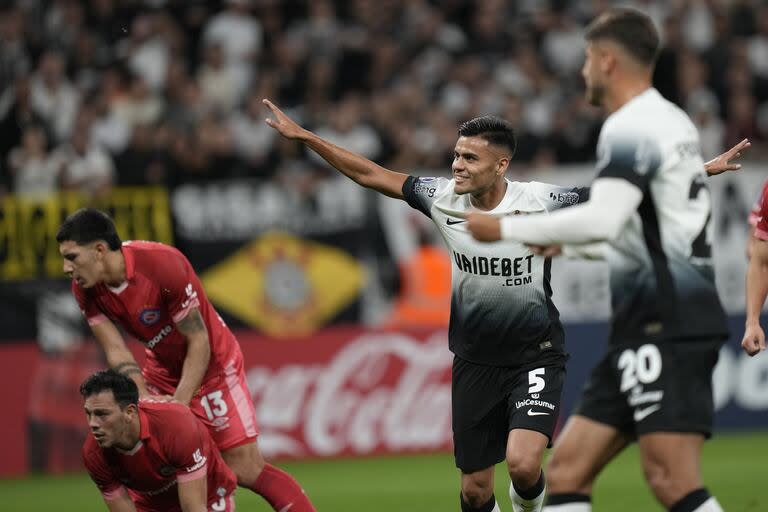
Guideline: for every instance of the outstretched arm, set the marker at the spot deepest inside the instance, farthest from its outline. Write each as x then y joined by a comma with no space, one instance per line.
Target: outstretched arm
757,289
612,202
722,163
358,168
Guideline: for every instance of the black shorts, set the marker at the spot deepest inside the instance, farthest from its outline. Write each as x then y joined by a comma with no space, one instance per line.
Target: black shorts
645,387
489,401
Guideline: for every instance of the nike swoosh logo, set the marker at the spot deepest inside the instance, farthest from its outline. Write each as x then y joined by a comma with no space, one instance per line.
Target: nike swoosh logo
451,222
536,413
286,508
641,414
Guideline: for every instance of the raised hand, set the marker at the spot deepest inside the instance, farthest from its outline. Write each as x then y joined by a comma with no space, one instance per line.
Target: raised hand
722,163
284,125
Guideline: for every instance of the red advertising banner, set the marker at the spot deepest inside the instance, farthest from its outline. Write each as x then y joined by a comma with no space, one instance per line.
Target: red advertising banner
341,392
347,392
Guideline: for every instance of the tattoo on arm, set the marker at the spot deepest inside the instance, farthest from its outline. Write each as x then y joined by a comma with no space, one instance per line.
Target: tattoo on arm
127,368
192,323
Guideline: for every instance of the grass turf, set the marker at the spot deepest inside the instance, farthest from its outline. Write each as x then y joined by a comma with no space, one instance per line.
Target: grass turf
734,470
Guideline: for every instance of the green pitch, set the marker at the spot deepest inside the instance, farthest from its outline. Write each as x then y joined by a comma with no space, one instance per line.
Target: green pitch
734,470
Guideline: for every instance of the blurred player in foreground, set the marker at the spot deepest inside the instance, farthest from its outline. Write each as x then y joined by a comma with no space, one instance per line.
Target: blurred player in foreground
152,291
651,206
150,456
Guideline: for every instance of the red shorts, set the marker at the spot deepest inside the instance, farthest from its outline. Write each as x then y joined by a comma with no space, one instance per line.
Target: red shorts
223,404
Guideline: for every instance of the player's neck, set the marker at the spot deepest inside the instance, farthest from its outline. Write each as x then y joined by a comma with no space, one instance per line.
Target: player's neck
625,92
114,269
131,437
489,199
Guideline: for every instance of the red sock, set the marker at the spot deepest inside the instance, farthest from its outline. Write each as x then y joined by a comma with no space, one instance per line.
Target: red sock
281,491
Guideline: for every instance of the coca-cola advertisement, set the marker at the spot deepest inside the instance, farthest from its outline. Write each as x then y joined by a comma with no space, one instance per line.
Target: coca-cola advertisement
351,392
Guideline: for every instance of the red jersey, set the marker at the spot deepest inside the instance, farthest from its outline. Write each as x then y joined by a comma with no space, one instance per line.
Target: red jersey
160,288
754,215
761,225
174,447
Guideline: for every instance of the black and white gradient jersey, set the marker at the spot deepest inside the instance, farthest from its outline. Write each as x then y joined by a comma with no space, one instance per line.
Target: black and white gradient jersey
662,277
501,308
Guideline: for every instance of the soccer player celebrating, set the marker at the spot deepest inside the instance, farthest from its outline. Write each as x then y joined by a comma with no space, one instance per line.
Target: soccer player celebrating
150,456
505,332
153,293
651,205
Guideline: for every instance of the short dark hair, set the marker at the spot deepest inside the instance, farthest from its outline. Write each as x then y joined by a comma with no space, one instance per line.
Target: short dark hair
494,129
88,225
123,388
631,29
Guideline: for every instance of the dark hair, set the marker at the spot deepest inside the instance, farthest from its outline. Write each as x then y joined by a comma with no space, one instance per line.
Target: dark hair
630,28
494,129
88,225
122,387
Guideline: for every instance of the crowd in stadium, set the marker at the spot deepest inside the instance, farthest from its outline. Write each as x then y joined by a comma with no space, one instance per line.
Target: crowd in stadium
125,92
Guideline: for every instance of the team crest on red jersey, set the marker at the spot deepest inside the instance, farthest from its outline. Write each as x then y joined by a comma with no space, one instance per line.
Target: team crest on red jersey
149,316
166,470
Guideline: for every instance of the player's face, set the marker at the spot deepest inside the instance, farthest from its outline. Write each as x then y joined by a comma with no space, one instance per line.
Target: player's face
83,263
476,165
109,424
595,90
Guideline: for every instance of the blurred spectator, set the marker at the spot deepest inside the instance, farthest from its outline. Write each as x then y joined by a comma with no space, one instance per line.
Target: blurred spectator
35,173
142,162
140,105
240,36
218,82
757,48
53,95
63,21
348,129
108,130
147,51
703,108
253,139
18,114
85,168
14,56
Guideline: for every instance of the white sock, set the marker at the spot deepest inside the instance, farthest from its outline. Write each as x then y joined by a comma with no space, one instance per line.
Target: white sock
569,507
522,505
711,505
496,507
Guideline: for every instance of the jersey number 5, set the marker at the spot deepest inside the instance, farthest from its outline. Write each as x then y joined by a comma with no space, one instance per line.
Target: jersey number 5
213,404
535,381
